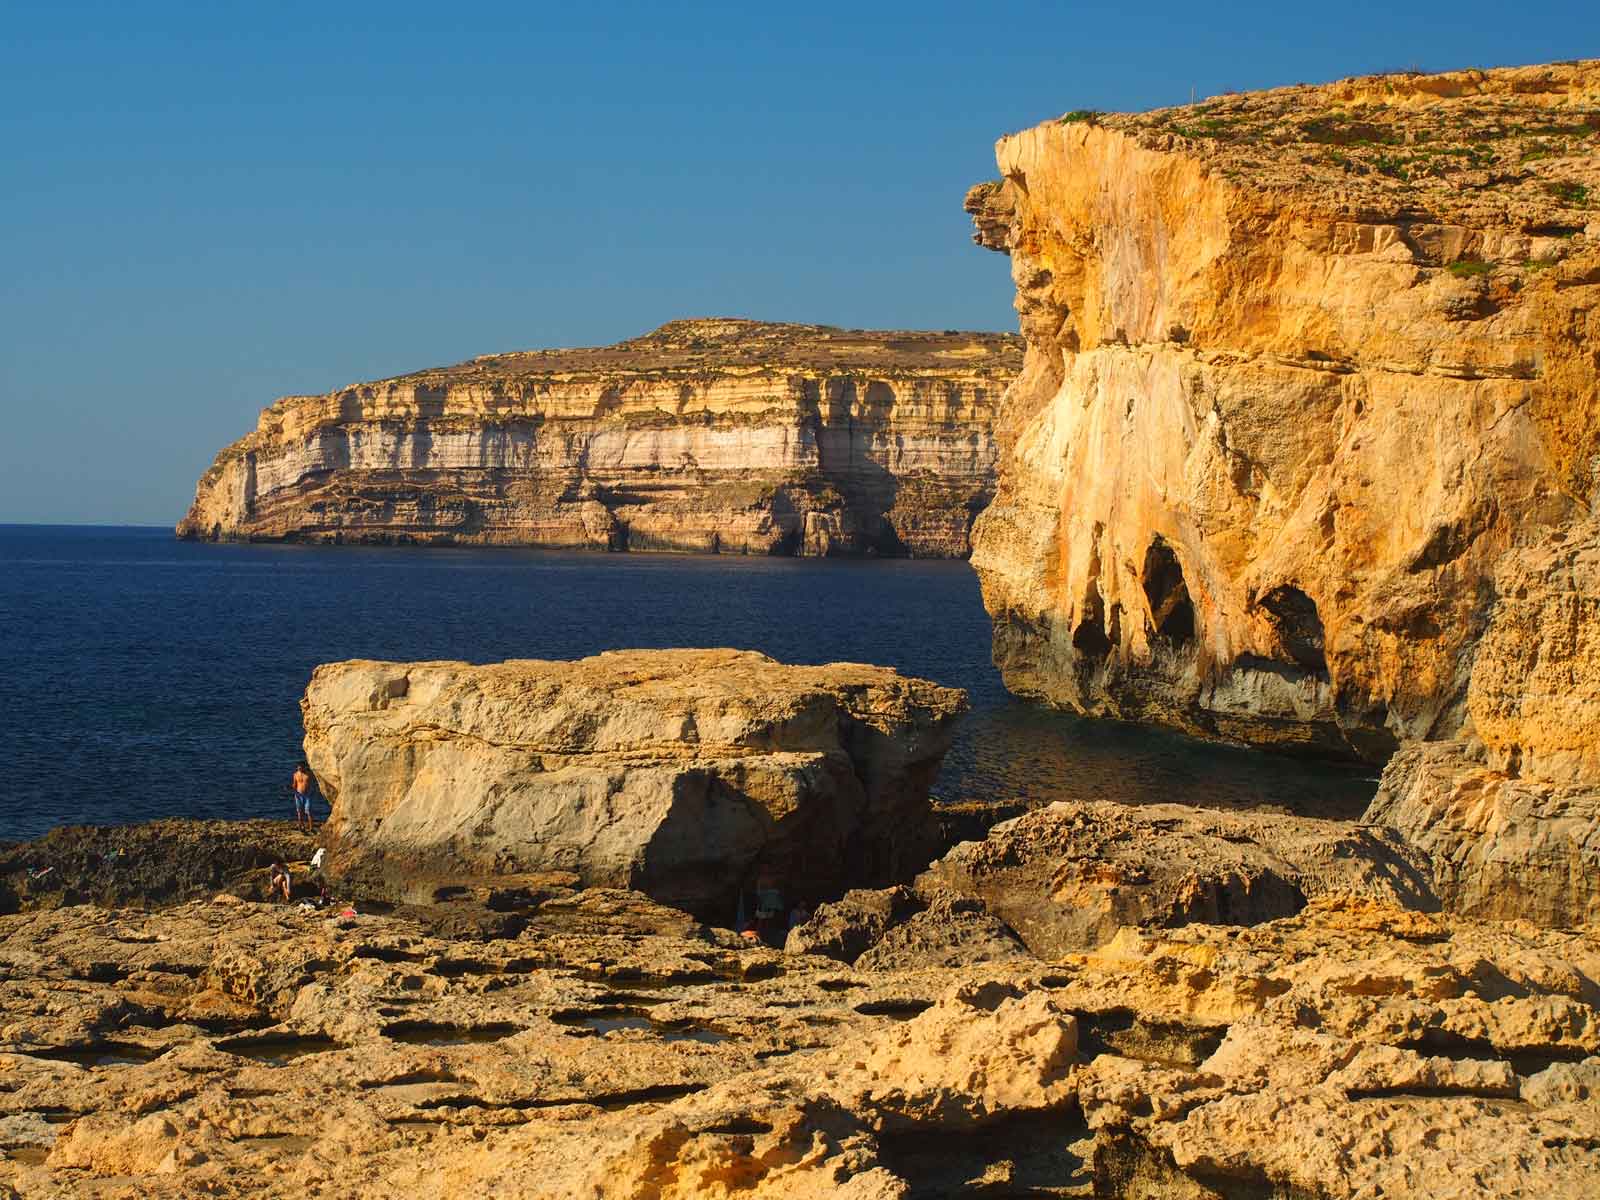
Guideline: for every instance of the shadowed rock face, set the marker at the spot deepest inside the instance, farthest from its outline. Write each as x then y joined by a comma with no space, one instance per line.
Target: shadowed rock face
1510,815
161,862
705,435
1302,366
680,773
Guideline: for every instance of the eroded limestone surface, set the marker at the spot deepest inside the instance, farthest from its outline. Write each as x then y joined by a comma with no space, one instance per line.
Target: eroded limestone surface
1070,876
613,1049
681,773
704,435
1303,366
1510,813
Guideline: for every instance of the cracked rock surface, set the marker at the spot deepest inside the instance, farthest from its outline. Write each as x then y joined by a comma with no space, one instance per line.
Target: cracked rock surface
615,1048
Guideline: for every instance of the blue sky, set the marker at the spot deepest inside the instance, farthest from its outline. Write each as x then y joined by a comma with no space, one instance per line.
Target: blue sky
206,206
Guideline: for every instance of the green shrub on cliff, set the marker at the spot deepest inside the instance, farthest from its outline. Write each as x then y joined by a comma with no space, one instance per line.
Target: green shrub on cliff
1569,191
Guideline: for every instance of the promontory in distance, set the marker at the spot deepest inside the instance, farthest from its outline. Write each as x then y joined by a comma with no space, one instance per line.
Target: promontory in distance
712,435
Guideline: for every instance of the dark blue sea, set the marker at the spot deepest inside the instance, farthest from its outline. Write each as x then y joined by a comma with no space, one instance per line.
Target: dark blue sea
147,677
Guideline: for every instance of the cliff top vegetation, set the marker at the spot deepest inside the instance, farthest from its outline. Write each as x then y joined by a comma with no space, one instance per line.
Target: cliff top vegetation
1518,145
701,344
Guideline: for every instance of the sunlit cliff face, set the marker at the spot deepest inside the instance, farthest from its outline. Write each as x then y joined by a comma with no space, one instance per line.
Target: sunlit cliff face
1302,366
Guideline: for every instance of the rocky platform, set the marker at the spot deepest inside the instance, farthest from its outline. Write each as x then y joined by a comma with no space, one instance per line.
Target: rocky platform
703,435
146,865
614,1048
681,773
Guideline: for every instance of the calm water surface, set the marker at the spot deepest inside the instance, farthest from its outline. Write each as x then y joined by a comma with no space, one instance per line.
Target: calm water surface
147,677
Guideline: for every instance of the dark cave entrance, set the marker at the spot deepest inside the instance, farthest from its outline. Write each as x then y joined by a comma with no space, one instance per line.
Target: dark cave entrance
1295,618
1171,610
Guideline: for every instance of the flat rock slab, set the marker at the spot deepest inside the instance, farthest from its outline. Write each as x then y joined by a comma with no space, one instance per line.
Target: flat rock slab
680,773
155,863
613,1049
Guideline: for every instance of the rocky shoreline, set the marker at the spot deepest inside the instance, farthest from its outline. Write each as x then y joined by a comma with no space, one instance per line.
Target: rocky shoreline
1088,1000
667,924
530,1037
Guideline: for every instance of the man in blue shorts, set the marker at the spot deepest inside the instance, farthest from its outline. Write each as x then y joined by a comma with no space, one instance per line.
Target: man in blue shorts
302,784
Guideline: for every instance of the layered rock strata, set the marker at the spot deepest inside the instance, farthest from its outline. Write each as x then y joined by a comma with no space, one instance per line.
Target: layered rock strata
1303,366
705,435
681,773
614,1049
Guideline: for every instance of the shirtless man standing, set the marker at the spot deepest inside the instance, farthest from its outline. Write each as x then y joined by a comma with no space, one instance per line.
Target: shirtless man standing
302,782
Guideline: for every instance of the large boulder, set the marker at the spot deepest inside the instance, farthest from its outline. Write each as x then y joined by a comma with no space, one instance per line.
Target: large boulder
953,933
847,927
680,773
894,929
1510,815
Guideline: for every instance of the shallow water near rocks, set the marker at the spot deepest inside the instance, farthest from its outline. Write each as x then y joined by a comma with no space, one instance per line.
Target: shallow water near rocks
164,677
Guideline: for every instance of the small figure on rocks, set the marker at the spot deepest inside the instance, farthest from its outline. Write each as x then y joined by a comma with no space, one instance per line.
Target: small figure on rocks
771,924
318,878
280,880
302,782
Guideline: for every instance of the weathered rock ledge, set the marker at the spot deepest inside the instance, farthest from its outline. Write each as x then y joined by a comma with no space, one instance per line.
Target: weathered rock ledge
704,435
1509,813
679,773
610,1048
1303,366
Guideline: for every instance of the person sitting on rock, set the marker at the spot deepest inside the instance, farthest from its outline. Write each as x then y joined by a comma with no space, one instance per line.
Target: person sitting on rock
771,924
280,881
302,783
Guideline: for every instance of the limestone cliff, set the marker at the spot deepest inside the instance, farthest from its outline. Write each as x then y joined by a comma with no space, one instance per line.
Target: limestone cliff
1302,367
1509,814
704,435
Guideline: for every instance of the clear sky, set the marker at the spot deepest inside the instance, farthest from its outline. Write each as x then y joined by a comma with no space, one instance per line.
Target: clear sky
205,206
